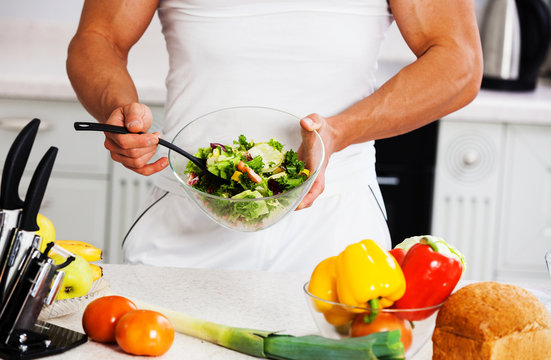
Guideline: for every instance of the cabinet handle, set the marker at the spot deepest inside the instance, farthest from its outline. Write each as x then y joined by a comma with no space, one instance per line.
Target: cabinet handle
16,124
388,180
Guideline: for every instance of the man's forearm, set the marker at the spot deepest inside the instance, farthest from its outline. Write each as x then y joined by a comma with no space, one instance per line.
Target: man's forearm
98,74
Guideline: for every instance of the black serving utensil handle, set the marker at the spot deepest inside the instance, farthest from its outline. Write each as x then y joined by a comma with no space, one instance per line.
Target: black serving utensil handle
92,126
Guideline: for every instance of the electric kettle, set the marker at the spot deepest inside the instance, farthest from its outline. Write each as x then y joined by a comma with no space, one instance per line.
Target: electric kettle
515,37
546,68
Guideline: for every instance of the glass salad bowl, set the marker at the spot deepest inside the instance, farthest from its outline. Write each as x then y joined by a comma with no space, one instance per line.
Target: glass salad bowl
337,321
259,125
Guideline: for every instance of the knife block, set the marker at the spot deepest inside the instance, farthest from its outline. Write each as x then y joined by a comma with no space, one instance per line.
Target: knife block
22,335
29,280
44,339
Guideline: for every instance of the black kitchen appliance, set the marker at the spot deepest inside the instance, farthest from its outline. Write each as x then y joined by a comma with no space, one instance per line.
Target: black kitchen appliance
405,171
515,37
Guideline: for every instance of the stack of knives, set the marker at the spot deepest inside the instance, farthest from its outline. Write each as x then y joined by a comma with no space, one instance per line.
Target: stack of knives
29,279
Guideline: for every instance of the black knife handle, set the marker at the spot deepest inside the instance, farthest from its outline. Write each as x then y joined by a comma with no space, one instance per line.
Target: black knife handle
36,190
93,126
15,163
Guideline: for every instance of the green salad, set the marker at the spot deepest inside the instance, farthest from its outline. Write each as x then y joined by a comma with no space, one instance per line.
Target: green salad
253,170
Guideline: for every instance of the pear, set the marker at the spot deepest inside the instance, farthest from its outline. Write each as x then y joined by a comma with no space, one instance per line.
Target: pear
78,279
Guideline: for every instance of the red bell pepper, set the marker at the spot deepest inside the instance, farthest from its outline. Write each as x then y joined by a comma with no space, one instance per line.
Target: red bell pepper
430,279
399,255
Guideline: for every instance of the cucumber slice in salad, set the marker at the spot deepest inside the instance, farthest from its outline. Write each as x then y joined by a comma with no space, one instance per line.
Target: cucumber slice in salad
271,157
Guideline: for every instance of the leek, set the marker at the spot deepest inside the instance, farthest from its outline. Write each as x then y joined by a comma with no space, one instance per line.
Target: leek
272,345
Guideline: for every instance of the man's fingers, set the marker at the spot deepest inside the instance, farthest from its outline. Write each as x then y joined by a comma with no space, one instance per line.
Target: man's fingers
116,117
311,122
132,162
130,141
137,117
152,168
136,162
315,191
134,151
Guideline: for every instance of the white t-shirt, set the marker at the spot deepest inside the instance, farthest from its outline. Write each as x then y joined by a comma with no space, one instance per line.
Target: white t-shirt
299,56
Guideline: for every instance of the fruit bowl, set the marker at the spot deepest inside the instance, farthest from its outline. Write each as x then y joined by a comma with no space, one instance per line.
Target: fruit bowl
337,321
259,124
64,307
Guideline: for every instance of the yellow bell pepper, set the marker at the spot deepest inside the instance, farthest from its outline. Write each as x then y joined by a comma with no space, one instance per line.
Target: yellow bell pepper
323,284
235,176
366,271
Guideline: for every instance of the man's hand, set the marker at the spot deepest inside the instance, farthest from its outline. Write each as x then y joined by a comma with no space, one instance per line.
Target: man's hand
134,150
310,123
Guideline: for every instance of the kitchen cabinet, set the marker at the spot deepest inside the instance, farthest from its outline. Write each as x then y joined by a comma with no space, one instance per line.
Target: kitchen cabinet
78,153
492,196
76,206
127,192
525,234
89,197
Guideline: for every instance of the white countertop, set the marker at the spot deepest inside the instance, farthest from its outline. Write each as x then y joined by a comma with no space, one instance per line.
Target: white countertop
33,67
509,107
532,107
258,300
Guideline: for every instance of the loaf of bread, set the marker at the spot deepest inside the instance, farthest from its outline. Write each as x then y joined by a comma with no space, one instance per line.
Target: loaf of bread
492,321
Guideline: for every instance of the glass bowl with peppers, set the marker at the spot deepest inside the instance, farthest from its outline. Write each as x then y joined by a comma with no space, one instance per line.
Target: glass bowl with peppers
548,261
392,296
267,163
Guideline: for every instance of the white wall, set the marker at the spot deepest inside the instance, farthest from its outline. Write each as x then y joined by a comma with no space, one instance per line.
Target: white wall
61,11
44,20
45,27
67,10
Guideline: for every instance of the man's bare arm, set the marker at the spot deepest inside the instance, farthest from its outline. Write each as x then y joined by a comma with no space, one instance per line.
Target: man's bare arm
97,67
98,53
446,76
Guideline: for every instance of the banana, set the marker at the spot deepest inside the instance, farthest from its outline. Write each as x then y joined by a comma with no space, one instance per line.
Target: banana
88,251
97,271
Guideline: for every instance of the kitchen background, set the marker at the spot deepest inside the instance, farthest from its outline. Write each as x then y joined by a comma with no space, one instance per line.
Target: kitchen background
480,178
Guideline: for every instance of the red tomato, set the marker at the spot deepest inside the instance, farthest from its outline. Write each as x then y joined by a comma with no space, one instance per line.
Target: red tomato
144,332
383,322
101,316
